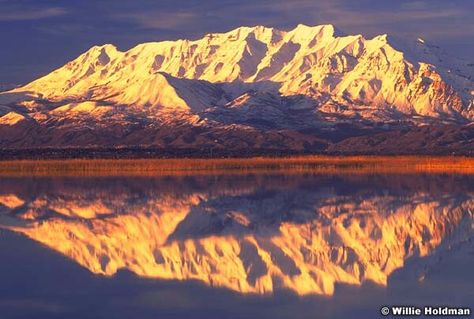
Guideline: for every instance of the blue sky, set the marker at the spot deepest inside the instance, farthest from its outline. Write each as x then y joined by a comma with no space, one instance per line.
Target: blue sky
38,36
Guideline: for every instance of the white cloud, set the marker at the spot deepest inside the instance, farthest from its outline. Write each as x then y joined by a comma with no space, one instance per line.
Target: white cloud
159,19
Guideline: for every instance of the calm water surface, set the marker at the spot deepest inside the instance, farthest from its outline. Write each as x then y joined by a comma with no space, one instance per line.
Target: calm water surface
234,246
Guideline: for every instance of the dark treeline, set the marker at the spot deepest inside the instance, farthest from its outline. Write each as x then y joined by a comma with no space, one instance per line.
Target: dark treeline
143,153
150,153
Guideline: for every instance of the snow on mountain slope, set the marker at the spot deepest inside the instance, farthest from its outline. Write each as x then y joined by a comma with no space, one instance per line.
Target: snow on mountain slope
315,61
11,118
297,87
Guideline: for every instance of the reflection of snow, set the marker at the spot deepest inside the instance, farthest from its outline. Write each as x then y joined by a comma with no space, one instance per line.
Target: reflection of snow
303,238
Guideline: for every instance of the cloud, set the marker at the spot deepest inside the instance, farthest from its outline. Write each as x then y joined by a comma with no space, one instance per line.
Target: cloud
366,13
23,15
159,19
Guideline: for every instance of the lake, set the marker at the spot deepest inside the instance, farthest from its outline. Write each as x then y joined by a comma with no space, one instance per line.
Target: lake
247,245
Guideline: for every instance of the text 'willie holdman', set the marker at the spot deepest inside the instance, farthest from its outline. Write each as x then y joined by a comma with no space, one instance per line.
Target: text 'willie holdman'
425,311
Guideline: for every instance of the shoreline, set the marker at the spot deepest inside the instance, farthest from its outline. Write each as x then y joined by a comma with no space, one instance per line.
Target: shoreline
128,153
190,166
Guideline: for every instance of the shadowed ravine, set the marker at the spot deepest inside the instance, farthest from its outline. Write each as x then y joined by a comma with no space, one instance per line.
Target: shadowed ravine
247,233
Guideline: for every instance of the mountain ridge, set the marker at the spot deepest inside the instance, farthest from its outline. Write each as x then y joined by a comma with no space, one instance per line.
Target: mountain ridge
252,78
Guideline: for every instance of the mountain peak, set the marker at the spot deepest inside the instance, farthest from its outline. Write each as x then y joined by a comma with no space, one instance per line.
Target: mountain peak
266,72
325,31
322,27
269,34
316,59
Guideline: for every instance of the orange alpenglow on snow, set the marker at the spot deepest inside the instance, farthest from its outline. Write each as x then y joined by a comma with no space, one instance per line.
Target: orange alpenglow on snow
407,76
233,87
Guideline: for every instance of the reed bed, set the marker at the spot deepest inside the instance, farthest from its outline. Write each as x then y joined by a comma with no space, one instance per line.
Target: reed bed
191,166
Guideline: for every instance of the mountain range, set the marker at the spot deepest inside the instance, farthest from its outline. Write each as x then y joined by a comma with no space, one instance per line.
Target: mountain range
307,90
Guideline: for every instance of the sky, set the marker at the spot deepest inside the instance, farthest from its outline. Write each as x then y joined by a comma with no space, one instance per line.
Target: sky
37,36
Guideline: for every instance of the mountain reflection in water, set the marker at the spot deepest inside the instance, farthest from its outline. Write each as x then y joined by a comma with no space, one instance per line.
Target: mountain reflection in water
247,233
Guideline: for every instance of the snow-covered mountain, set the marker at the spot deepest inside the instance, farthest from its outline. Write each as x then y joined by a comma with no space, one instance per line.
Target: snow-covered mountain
254,80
